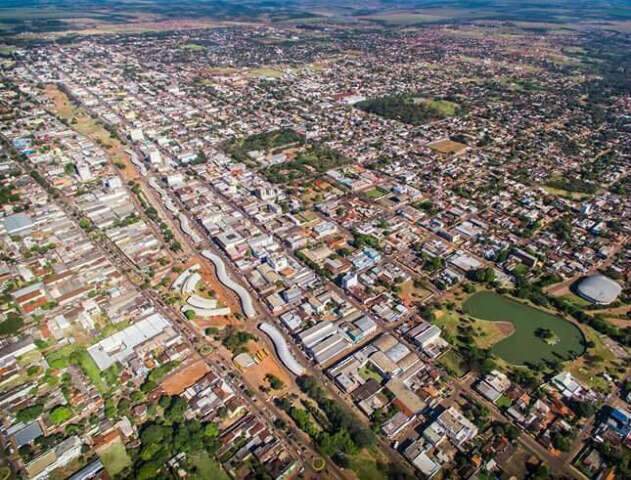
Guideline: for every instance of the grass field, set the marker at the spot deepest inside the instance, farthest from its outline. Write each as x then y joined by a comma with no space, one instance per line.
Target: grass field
487,333
576,300
453,363
524,346
265,72
598,360
375,193
366,373
365,465
61,358
447,109
5,473
410,294
566,194
114,457
193,47
403,19
207,468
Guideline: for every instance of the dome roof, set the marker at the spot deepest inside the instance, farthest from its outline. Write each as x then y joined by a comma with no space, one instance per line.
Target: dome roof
599,289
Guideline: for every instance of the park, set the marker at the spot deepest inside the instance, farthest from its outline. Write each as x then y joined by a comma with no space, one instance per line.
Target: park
526,345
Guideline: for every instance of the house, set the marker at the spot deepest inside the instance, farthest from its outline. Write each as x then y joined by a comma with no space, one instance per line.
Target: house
452,424
493,385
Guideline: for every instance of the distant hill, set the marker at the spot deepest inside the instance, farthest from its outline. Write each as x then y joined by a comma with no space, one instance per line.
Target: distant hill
41,16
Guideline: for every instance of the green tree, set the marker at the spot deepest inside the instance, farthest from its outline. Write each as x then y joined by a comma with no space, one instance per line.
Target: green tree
60,414
29,413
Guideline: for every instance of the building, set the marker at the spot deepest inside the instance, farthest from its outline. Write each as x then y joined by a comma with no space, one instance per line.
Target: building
599,289
121,345
58,456
18,224
454,425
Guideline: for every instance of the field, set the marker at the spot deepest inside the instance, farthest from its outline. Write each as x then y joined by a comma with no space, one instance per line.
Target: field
368,465
409,108
366,373
486,333
51,19
114,457
207,468
178,381
447,146
62,357
454,363
411,294
566,193
193,47
523,346
265,72
376,193
403,19
255,375
597,360
445,108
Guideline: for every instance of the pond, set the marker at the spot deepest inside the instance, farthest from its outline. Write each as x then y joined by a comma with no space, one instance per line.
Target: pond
524,346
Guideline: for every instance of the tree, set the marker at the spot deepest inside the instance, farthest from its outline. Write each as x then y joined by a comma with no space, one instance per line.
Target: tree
85,224
175,411
561,441
149,451
152,433
274,382
29,413
483,275
60,414
148,470
11,325
190,314
583,409
211,430
110,409
164,402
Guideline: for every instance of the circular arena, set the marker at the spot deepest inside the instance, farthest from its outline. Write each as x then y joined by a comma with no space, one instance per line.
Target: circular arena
599,289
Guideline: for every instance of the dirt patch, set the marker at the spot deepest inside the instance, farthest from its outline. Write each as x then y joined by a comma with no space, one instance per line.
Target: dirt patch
619,322
490,333
224,295
183,378
266,365
505,328
104,441
447,147
219,322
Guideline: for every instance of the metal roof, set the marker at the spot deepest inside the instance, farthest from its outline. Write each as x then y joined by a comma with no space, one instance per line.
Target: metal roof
599,289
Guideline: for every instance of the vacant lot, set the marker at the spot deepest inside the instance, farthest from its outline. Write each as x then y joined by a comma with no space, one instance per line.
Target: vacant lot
267,365
447,146
454,363
114,457
524,346
183,378
207,468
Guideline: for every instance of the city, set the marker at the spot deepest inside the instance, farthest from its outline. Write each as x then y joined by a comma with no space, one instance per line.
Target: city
273,250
